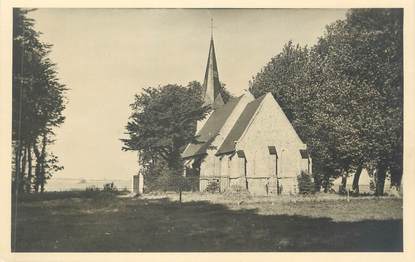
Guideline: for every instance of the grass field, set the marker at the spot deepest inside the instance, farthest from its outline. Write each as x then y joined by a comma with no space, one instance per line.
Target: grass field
98,221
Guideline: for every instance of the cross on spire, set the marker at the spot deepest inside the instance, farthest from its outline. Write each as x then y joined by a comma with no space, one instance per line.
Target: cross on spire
211,27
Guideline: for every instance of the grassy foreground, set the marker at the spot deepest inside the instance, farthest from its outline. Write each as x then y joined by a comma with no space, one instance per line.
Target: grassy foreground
97,221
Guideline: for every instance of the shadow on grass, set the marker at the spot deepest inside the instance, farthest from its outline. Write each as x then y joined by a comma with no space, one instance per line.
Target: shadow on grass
134,225
56,195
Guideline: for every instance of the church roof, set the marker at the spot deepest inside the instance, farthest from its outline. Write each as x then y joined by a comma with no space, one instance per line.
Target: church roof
241,124
210,129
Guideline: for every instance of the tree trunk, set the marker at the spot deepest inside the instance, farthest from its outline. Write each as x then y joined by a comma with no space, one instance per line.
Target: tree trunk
356,178
42,175
343,189
43,164
174,162
36,187
326,183
17,157
22,171
396,167
40,164
42,186
29,170
37,177
380,178
37,168
344,174
396,176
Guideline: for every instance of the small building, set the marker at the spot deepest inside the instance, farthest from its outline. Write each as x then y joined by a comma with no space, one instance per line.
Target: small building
246,142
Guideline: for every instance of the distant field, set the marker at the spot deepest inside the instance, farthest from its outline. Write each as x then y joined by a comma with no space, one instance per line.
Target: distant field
67,184
97,221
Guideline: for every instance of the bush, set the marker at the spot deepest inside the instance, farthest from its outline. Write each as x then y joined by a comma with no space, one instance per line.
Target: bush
168,181
213,187
161,179
160,183
110,187
305,183
91,189
180,183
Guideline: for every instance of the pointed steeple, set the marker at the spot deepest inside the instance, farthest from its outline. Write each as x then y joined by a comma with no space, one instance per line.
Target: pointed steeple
211,84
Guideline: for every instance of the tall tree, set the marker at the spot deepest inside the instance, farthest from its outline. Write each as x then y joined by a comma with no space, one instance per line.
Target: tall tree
38,98
366,50
344,95
163,122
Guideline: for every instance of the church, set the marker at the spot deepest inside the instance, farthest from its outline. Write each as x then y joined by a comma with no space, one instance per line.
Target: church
247,142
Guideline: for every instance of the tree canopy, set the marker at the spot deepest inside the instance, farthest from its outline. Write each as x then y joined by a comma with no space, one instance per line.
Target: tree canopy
344,95
37,104
163,122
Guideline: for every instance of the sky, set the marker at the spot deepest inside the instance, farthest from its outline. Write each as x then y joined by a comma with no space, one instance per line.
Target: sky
106,56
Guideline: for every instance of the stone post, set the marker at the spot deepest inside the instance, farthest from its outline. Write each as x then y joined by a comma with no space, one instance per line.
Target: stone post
138,184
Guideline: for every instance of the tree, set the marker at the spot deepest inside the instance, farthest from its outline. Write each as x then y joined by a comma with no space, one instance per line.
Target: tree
38,101
344,95
163,122
226,95
366,50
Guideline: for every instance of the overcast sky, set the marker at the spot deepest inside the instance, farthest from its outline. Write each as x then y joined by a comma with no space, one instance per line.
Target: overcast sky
105,56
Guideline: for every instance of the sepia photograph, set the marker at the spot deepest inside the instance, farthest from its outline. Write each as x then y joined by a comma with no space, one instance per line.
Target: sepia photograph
207,130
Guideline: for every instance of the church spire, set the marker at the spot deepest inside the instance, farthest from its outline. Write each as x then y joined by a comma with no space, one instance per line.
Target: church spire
211,83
